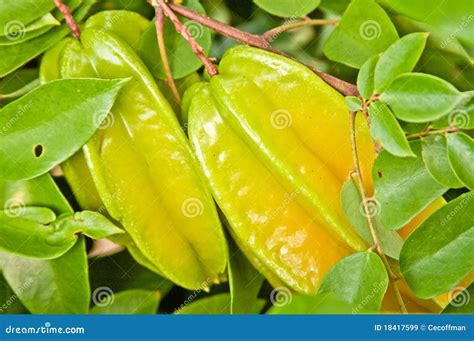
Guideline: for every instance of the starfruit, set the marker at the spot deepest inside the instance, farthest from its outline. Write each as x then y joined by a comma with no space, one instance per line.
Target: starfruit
274,141
143,168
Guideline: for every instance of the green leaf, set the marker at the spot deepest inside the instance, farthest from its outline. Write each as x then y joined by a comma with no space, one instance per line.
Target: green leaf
364,31
418,97
288,8
386,129
25,236
40,192
462,301
15,14
300,304
129,302
42,215
62,282
127,25
461,158
403,187
39,133
14,56
400,57
36,28
365,79
440,252
353,103
14,83
9,302
217,304
121,272
461,117
458,24
435,156
244,282
351,201
359,280
182,59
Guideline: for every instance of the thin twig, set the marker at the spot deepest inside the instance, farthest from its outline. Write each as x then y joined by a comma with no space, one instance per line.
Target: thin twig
377,245
343,87
160,26
271,34
221,28
433,132
71,23
211,68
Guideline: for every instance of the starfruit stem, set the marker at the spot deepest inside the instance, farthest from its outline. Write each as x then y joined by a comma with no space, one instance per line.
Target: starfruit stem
365,201
160,27
295,23
429,132
71,23
198,50
258,41
365,110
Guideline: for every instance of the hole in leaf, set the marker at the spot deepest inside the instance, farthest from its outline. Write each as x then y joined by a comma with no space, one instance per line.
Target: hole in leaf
38,150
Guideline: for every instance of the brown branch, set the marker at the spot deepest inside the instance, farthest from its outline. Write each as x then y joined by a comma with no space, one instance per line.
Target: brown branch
221,28
273,33
365,201
211,68
343,87
71,23
160,26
